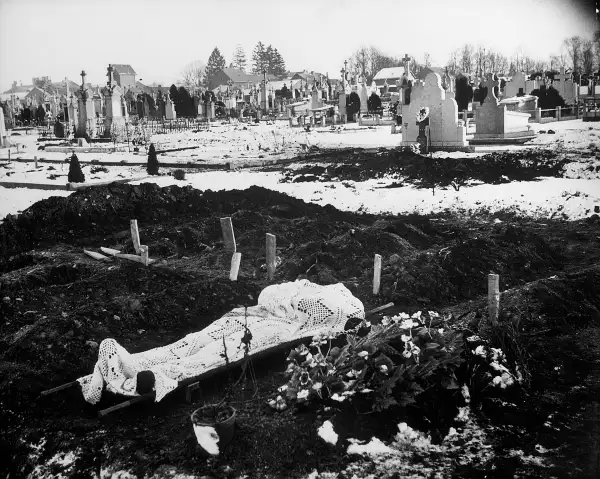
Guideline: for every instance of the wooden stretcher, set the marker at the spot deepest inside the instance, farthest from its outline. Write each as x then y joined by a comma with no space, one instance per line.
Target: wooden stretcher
191,384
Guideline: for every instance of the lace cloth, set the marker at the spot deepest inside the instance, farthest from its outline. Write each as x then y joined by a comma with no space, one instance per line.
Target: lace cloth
284,312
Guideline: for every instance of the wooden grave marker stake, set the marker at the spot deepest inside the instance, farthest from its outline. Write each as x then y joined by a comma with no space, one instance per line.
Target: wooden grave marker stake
35,159
135,235
377,274
493,297
271,255
144,254
235,266
228,235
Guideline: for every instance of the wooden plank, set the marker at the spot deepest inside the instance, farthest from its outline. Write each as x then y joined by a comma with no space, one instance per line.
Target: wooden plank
144,397
109,251
97,256
59,388
493,297
380,308
135,235
133,257
228,234
271,255
144,255
377,274
235,266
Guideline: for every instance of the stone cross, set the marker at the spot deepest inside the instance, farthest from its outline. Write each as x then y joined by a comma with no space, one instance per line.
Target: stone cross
83,79
490,84
562,77
406,60
109,72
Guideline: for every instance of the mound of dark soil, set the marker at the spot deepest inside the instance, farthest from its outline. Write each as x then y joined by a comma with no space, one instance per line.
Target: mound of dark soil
424,172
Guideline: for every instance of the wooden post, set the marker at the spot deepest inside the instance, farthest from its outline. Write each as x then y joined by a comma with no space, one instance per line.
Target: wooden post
493,297
228,235
558,113
144,254
377,274
538,115
35,159
271,255
9,154
235,266
135,235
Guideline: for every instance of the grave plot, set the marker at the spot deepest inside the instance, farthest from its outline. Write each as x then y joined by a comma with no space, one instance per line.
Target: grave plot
58,304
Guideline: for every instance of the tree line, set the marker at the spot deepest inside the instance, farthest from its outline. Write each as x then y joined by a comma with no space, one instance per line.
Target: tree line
264,58
580,54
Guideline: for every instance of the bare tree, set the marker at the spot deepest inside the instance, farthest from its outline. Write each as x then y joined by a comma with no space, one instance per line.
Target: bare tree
453,62
380,60
480,56
596,41
573,46
501,63
587,56
466,60
361,61
193,75
427,59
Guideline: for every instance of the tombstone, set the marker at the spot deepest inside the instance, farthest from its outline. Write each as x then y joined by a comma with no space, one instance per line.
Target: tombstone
146,106
517,86
72,107
170,113
86,110
315,102
59,129
445,130
564,84
364,97
495,123
3,141
113,96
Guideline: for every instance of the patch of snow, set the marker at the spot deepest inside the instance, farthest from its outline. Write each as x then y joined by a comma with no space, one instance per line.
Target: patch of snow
373,448
327,433
207,438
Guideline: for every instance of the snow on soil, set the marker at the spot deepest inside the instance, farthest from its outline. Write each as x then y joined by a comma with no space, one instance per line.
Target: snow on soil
572,197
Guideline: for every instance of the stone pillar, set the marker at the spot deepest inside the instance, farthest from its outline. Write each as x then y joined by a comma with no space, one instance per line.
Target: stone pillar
342,105
87,114
323,120
212,110
114,114
577,110
538,115
2,130
291,121
466,117
558,113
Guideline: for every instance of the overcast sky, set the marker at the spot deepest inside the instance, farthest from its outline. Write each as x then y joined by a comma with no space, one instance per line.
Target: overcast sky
59,38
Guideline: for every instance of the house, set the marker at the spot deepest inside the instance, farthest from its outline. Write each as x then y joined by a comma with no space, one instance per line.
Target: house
237,77
124,75
390,77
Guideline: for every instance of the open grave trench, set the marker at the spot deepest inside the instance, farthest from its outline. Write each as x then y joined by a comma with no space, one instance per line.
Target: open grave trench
57,304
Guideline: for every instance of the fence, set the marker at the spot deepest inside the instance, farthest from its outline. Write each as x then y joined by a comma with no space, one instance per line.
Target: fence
538,115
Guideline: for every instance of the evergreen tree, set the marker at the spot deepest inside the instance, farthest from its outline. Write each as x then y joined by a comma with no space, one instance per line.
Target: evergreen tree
464,93
374,102
75,173
277,65
186,103
40,113
548,98
239,59
216,62
152,167
258,59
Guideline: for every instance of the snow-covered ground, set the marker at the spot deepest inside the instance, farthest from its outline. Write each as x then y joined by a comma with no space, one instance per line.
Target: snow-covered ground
575,196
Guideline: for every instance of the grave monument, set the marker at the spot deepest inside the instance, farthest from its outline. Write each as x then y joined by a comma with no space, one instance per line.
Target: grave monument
496,124
446,131
86,110
112,100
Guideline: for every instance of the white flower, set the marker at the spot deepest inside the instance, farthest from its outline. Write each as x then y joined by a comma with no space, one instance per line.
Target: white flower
497,354
385,321
473,338
480,351
415,349
303,394
383,368
348,393
408,324
282,388
337,397
403,427
406,354
366,390
466,394
497,381
417,315
441,331
363,354
433,314
405,337
317,386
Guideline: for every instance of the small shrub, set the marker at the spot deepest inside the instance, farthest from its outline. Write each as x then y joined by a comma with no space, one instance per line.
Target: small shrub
179,175
75,173
152,167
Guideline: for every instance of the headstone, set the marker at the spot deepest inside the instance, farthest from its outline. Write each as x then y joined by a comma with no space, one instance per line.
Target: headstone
86,113
2,130
496,123
564,84
170,113
114,113
516,86
444,127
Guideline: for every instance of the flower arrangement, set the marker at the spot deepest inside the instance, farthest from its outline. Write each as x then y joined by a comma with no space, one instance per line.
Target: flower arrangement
422,114
389,366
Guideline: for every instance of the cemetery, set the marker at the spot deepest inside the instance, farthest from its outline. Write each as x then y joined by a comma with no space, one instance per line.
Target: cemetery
286,274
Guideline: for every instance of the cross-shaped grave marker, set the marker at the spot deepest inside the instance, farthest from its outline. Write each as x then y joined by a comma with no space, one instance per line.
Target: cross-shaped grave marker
109,72
490,84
